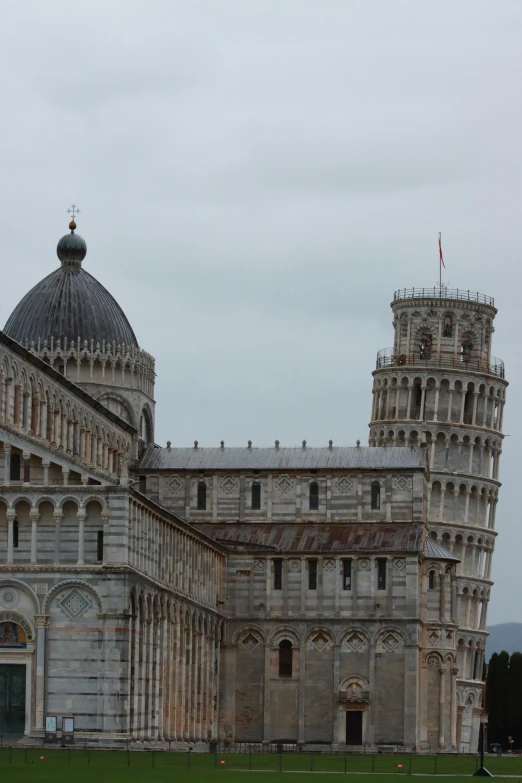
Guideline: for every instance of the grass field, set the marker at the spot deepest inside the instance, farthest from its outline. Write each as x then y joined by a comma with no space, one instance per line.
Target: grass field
79,766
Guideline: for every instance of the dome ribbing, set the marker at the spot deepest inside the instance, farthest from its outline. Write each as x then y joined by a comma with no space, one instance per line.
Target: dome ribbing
69,304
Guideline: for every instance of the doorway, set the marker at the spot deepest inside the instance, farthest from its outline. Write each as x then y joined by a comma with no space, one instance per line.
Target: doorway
354,722
12,698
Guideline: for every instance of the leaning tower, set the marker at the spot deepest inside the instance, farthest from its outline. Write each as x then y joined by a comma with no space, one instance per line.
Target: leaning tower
439,385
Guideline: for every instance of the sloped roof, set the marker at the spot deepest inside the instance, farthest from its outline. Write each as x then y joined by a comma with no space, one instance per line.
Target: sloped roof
434,551
281,459
385,537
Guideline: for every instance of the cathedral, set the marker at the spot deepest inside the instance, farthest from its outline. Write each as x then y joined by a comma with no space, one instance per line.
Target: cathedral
329,597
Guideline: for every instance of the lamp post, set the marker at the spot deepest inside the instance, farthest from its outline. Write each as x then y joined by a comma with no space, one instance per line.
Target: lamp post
482,772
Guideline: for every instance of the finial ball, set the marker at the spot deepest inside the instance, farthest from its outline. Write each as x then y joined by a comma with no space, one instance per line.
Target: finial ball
72,225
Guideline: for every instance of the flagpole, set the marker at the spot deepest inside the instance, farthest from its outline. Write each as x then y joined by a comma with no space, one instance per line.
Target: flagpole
440,264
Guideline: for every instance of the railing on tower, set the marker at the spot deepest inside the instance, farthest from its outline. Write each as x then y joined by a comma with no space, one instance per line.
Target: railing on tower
387,358
438,292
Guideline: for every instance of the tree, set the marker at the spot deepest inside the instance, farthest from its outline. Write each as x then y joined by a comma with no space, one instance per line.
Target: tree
515,699
497,698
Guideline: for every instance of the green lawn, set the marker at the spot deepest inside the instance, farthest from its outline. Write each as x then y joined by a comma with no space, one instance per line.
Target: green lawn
19,764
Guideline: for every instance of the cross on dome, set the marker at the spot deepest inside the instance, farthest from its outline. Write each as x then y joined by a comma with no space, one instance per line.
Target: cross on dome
73,211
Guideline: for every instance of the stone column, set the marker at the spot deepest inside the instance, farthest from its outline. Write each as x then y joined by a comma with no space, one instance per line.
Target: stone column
475,405
441,506
34,516
408,404
484,614
454,609
41,622
423,399
46,466
266,694
436,406
81,515
450,403
56,429
17,397
462,405
35,404
65,477
43,419
301,694
453,707
7,464
442,705
58,516
442,578
7,400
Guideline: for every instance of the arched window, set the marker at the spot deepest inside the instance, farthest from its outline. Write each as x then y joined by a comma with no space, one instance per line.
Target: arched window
15,533
285,658
314,496
465,351
202,496
431,580
447,329
256,495
14,473
376,495
425,347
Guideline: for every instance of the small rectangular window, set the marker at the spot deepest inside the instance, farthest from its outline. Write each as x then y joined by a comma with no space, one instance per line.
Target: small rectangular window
278,574
381,573
347,574
312,574
15,534
99,546
143,484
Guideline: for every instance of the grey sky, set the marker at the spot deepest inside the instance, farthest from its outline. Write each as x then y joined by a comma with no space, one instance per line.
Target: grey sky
255,178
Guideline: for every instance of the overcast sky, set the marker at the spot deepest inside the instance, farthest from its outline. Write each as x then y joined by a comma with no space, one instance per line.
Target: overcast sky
255,178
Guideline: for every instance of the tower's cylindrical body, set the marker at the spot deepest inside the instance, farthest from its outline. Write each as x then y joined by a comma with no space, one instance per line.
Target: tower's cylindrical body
439,385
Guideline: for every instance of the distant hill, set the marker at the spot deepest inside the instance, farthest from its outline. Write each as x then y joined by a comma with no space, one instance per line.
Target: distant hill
505,636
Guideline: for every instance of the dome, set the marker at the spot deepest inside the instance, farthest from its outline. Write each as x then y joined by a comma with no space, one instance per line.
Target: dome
69,304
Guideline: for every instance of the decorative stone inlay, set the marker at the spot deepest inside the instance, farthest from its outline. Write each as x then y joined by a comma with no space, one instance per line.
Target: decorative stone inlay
294,565
344,485
433,636
390,642
402,483
175,485
41,588
355,642
250,642
74,604
399,563
260,565
320,641
329,565
9,597
284,484
363,564
228,485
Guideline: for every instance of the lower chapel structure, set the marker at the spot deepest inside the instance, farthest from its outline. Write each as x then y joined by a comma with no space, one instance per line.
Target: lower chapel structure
309,595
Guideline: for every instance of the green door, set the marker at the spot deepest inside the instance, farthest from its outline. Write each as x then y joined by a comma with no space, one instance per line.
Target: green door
12,698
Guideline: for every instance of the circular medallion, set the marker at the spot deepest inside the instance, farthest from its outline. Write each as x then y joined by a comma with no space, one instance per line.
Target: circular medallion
9,596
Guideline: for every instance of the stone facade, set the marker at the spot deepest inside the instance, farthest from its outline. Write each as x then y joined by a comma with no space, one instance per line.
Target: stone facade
439,385
333,596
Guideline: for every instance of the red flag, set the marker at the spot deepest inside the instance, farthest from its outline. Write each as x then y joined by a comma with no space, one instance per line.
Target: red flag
440,251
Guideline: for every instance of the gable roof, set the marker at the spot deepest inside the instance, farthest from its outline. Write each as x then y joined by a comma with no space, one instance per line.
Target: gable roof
281,459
